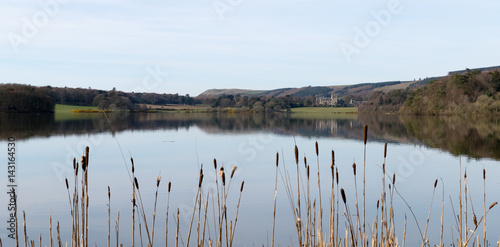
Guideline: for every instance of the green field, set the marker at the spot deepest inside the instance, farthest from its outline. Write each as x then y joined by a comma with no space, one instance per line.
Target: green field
69,108
64,112
325,112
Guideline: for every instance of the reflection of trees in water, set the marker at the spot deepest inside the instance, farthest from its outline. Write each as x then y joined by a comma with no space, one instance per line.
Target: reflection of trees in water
458,135
22,126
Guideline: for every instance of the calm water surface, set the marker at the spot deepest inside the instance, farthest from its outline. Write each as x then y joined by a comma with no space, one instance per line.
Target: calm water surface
176,145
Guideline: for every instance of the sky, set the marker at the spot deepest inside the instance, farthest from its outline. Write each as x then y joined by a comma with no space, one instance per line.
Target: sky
189,46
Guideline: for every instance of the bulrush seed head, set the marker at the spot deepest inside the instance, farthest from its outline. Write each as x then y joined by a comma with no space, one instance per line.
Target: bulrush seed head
342,193
277,158
378,202
222,175
132,161
305,161
233,170
484,174
307,171
169,186
365,130
393,178
317,150
333,158
337,175
354,168
67,184
109,193
82,161
215,164
241,187
136,183
435,183
385,150
201,180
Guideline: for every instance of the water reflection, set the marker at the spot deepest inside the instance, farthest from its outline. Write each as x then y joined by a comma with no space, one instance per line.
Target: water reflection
473,137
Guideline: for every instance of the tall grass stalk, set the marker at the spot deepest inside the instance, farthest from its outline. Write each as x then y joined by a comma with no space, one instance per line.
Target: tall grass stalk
275,194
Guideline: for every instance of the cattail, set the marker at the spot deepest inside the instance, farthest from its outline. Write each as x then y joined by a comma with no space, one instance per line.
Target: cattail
342,193
305,161
132,161
242,184
307,171
394,179
296,155
317,150
484,174
222,175
492,205
158,181
109,193
76,170
435,183
169,186
365,129
67,185
277,158
474,219
87,149
233,170
200,180
333,158
385,150
383,168
133,200
136,183
82,161
378,201
389,186
337,175
354,168
74,164
215,164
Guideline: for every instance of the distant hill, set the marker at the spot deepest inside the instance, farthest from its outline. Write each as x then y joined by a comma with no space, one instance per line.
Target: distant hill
361,89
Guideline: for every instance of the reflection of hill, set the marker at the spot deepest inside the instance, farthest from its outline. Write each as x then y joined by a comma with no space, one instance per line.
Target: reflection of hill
460,136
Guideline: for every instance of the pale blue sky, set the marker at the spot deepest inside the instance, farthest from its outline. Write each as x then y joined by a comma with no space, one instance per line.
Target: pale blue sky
255,44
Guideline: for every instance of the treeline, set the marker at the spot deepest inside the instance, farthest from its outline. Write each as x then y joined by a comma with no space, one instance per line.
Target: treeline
259,104
24,98
113,99
16,98
472,92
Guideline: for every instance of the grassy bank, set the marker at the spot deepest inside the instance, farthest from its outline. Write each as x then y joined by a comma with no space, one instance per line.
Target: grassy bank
324,112
65,109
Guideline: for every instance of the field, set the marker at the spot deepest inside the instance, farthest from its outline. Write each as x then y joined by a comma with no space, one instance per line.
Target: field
174,107
325,112
64,112
68,108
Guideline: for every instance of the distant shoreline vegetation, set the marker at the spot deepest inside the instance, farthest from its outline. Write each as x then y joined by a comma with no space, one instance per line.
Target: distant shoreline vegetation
473,92
468,92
